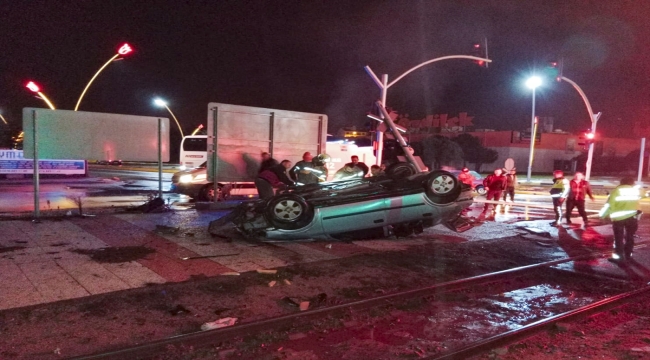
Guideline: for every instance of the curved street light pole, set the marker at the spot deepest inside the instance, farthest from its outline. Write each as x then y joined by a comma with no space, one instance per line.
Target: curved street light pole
36,89
384,85
123,50
162,103
4,120
594,120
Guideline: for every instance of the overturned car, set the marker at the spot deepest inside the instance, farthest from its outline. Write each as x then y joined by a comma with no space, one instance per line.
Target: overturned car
401,204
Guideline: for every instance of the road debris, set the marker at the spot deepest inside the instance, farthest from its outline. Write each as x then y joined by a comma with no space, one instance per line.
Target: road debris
179,309
272,283
290,301
328,246
163,229
206,256
234,273
287,282
217,324
304,305
264,271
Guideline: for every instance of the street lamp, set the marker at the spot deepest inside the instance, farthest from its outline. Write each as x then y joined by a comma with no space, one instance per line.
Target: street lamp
163,103
123,50
533,82
383,85
36,89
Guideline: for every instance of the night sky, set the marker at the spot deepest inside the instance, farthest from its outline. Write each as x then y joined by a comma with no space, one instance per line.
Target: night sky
309,56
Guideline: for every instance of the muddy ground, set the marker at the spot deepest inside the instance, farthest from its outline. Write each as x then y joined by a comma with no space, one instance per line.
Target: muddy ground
126,318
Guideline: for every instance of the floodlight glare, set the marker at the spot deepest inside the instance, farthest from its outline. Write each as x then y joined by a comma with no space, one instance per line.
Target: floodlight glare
533,82
160,102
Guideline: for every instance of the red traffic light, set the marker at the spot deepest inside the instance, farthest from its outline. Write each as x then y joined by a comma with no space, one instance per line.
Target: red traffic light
590,136
124,49
33,87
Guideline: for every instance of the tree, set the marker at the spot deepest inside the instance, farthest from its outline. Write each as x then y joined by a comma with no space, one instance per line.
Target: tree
438,151
474,152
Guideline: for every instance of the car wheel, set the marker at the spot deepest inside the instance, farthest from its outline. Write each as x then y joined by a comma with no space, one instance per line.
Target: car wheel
400,170
480,190
288,212
207,193
442,187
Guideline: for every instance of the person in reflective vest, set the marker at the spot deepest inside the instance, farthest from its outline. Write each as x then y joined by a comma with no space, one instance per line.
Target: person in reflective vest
622,208
559,192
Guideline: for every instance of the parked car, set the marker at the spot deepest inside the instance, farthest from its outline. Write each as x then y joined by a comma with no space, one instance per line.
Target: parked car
404,204
478,181
194,183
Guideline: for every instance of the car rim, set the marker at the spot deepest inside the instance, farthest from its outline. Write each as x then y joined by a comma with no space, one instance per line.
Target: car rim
287,210
442,184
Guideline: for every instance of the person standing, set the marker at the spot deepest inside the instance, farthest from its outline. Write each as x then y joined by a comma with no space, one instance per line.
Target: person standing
559,192
267,162
304,171
579,190
511,184
622,208
466,177
355,163
494,184
270,179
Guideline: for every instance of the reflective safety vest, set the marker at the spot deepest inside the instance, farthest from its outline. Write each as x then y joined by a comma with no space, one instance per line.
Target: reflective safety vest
560,188
622,203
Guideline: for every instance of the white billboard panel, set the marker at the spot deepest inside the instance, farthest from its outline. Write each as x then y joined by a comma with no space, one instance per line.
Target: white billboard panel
66,134
242,133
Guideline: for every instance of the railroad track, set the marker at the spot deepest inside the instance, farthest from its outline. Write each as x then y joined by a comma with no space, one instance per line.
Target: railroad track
210,338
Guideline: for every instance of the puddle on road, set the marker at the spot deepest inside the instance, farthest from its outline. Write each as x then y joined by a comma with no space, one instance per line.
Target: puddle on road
525,305
116,254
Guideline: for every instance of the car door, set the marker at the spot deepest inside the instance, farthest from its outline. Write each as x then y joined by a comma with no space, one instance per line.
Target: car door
354,216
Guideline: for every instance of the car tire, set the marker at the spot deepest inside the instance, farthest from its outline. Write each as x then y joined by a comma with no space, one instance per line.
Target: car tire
442,187
481,190
207,193
400,170
288,212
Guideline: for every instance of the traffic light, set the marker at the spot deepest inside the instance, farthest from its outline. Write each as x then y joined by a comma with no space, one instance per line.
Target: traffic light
587,138
555,70
480,50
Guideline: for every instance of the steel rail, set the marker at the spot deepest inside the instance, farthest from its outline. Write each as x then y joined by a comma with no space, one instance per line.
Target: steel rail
531,329
206,338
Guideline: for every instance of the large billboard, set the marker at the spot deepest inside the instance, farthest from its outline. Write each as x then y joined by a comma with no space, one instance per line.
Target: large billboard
66,134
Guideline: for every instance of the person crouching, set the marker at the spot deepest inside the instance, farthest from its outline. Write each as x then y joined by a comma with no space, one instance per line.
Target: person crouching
270,179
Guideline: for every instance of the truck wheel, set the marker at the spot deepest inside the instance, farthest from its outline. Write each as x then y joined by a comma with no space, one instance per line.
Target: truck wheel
207,193
480,190
442,187
288,212
400,170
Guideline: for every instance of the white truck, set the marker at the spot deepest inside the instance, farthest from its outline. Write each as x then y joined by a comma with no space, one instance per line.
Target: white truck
237,135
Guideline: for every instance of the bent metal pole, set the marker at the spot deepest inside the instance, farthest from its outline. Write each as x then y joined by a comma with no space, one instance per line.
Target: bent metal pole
398,136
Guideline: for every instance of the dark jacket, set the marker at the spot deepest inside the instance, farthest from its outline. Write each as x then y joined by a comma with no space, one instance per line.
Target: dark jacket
276,175
580,190
267,164
511,180
361,166
494,182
